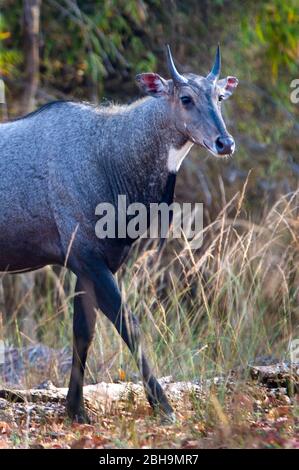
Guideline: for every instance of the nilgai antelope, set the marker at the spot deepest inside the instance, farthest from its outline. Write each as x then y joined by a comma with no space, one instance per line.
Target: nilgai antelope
59,162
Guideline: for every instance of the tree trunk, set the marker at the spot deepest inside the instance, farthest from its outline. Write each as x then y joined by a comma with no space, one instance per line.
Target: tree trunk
31,28
3,105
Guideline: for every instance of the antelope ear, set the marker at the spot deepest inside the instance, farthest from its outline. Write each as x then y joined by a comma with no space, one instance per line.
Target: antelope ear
152,84
227,86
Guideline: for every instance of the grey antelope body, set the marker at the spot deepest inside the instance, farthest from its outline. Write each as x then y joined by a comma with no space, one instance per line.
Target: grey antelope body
60,162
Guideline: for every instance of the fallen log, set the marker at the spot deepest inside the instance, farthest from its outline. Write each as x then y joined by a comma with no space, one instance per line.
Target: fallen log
282,374
49,401
102,392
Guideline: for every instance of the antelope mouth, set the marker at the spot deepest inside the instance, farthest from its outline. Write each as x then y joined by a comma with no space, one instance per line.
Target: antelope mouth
214,151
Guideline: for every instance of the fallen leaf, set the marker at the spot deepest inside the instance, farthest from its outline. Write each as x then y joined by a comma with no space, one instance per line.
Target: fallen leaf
190,444
279,412
4,428
4,443
82,443
121,375
82,427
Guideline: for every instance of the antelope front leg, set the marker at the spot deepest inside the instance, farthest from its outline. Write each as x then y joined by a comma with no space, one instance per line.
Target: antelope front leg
109,301
83,330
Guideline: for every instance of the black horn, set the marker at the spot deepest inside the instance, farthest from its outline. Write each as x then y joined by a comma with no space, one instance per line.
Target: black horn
215,72
175,75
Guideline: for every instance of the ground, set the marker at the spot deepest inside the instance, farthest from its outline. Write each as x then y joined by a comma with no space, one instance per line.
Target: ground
261,411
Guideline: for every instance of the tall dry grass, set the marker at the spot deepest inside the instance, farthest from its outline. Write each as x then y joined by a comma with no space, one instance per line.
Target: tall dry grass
202,312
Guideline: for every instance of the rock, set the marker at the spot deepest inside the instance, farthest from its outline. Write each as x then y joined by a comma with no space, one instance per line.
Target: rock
7,414
38,358
3,404
279,375
46,385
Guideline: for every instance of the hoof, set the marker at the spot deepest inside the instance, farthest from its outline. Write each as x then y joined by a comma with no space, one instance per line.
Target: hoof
167,419
162,408
165,414
80,417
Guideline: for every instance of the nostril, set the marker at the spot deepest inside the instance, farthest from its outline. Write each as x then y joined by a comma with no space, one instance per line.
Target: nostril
225,145
219,143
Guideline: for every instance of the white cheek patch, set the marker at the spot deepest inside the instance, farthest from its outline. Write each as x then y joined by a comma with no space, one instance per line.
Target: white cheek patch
176,156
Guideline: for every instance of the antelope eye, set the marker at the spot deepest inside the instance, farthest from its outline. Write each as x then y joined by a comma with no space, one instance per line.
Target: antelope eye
186,100
220,98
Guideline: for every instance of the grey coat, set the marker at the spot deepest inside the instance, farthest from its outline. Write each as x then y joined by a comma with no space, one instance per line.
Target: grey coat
58,163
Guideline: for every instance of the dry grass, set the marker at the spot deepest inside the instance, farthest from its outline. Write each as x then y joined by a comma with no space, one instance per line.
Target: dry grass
208,311
203,313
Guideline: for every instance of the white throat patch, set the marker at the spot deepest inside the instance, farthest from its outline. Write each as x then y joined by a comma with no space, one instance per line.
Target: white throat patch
176,156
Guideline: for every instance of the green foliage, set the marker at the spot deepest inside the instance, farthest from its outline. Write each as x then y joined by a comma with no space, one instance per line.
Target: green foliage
275,26
9,58
82,43
104,39
92,46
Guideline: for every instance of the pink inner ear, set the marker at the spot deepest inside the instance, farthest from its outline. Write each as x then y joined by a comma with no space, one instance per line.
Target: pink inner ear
232,82
150,81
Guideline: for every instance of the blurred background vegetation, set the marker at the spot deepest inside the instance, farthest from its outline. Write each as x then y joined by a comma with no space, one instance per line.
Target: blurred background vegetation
91,50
